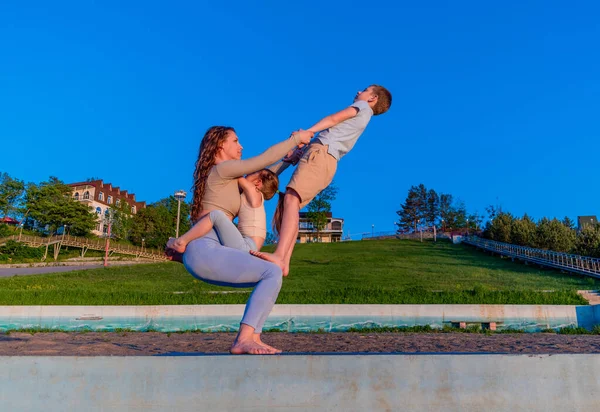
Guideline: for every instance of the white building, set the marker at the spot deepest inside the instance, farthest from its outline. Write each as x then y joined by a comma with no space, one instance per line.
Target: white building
100,197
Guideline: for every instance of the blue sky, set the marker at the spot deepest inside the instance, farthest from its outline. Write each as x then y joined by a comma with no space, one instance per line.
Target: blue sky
493,103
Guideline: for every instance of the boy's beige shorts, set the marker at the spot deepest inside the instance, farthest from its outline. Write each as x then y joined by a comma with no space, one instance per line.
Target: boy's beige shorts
314,173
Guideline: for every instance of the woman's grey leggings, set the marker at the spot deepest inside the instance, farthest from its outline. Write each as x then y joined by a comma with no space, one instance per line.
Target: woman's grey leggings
228,233
211,262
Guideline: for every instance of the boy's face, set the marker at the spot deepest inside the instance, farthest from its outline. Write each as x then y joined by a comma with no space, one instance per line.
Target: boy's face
232,149
366,95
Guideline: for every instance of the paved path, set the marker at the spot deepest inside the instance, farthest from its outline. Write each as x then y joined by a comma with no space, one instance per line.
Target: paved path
592,296
8,272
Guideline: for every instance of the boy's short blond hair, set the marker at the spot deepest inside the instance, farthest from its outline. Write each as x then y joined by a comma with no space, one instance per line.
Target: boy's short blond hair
384,99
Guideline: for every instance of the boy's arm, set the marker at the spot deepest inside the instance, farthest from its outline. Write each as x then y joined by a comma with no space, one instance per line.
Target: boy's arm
333,119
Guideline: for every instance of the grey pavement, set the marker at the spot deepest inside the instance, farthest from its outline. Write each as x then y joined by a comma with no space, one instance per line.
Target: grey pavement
8,272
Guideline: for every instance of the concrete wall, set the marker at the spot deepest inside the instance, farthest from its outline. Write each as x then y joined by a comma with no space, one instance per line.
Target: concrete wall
294,317
300,383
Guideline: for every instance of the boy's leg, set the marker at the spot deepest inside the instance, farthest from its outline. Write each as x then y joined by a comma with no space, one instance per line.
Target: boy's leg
313,174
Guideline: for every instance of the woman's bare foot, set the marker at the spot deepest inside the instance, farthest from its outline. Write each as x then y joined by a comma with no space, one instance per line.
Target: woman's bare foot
256,338
248,346
273,258
176,244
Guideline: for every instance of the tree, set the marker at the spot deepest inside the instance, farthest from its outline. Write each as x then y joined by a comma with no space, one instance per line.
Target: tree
413,208
319,207
157,222
122,222
523,231
11,194
501,227
446,211
569,224
492,211
459,214
433,207
51,204
422,205
588,241
554,235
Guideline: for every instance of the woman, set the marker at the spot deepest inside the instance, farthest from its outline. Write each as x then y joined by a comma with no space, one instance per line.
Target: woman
216,188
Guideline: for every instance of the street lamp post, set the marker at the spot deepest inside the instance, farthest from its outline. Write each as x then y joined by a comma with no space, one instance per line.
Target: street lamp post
22,223
143,244
467,227
108,218
179,195
372,230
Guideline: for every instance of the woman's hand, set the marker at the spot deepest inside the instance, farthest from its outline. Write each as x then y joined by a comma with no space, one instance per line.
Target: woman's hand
303,137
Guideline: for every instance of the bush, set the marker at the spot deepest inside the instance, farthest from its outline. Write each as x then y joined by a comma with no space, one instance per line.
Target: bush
16,249
5,230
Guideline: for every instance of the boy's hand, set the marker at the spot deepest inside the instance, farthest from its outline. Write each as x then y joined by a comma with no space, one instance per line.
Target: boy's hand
303,136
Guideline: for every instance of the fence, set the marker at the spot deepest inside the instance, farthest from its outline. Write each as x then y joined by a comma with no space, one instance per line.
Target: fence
84,244
405,236
582,265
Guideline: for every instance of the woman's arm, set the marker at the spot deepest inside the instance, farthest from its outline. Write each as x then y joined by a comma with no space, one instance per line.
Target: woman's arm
236,168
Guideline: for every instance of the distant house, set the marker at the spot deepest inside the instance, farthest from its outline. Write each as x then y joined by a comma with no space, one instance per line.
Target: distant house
9,221
331,233
583,221
100,197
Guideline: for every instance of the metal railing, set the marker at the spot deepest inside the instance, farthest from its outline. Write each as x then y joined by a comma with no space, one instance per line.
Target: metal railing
87,244
582,265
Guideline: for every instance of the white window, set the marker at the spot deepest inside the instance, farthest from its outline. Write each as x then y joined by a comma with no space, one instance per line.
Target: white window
133,209
118,202
109,199
101,196
76,196
86,195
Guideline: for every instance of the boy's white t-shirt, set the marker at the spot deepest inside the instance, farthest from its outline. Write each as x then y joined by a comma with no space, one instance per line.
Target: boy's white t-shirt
342,137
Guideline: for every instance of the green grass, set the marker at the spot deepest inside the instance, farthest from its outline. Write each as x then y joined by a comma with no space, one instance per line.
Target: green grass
387,272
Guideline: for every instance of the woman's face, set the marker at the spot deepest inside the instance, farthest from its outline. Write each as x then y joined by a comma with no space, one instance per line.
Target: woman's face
231,149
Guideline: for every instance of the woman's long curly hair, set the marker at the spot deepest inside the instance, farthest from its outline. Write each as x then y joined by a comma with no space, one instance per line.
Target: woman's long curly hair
209,147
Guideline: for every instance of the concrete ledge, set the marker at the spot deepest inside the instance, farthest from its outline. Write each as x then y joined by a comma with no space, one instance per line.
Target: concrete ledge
296,382
291,318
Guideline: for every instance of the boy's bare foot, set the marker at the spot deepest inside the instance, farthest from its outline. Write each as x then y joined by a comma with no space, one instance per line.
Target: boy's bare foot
256,338
273,258
176,244
248,346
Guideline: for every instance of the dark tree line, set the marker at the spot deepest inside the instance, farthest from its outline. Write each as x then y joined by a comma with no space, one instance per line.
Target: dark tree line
551,234
425,208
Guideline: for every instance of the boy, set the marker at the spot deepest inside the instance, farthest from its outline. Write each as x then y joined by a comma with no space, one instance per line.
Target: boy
315,171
